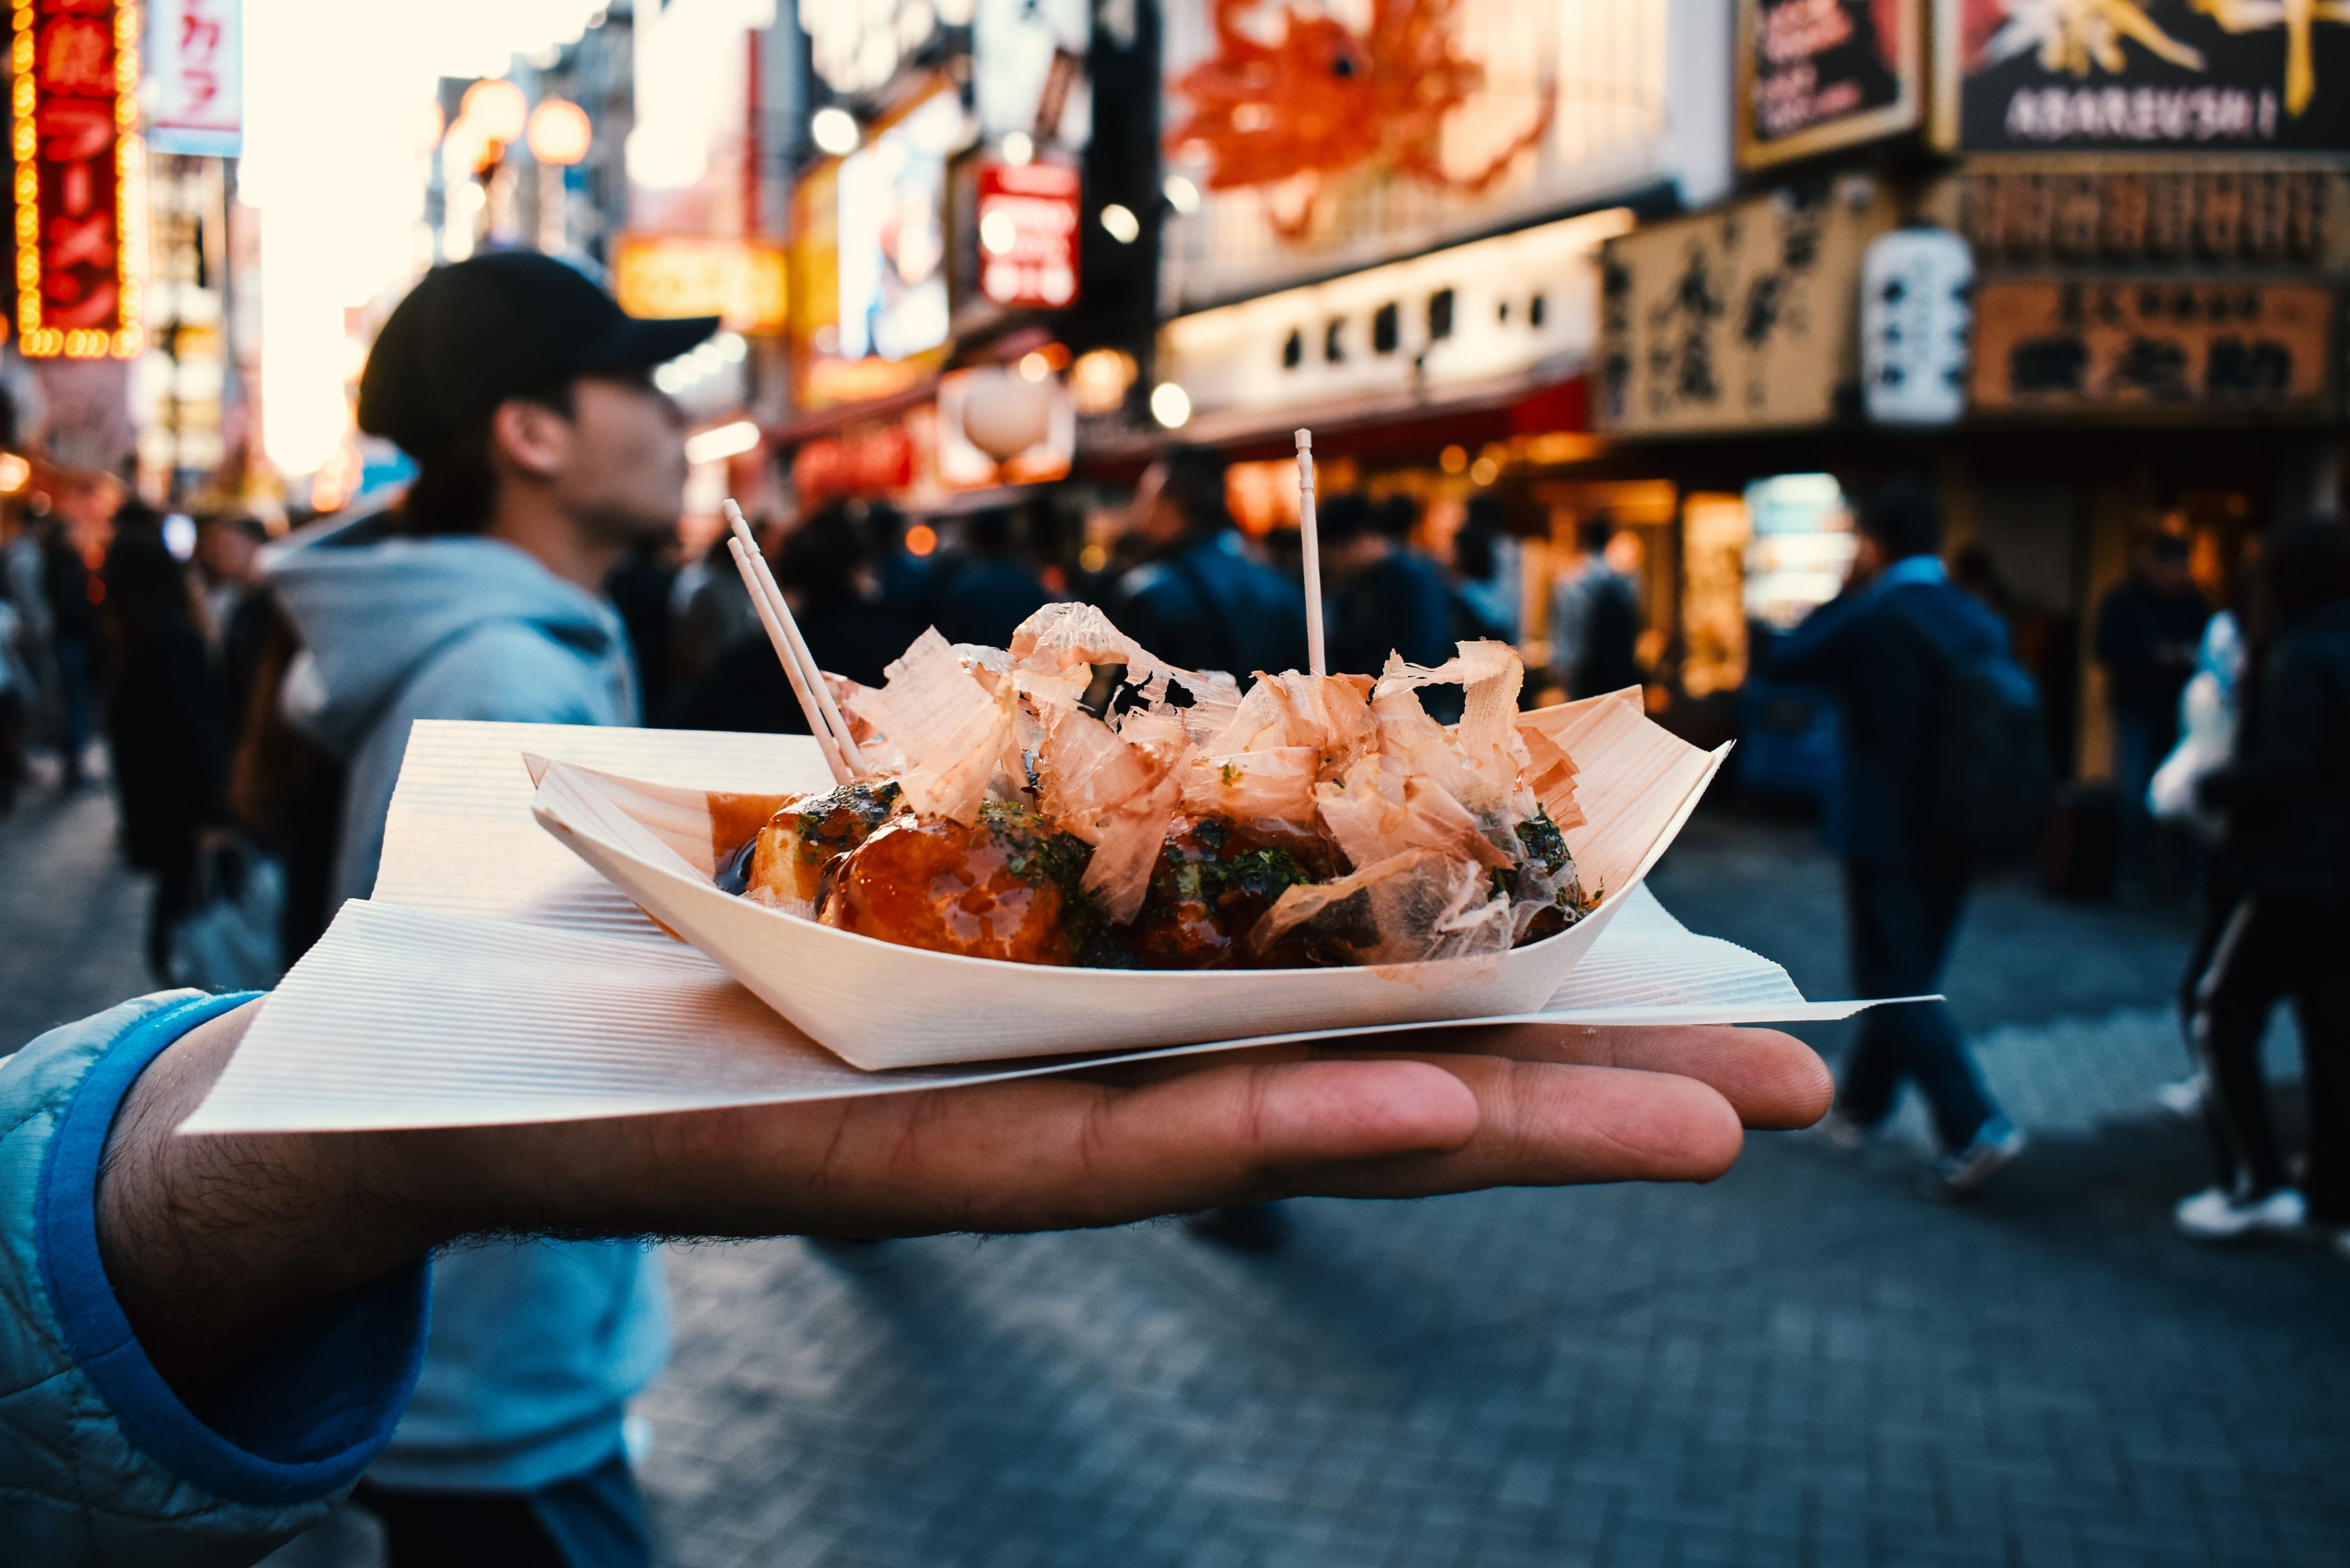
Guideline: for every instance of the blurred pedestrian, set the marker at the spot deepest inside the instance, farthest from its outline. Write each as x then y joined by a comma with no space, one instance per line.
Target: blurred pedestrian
24,587
75,546
824,571
2147,631
16,685
1201,599
1385,596
906,572
641,587
2284,802
236,604
2206,738
1596,613
1484,583
166,728
1880,646
994,589
711,611
544,453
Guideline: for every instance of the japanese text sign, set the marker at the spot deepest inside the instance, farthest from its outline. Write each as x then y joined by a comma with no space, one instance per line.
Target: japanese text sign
2150,343
743,282
2227,75
74,68
1028,235
195,77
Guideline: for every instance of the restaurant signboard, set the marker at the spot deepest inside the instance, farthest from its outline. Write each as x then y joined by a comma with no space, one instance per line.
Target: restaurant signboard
744,283
2153,345
1818,75
2230,75
1742,318
74,64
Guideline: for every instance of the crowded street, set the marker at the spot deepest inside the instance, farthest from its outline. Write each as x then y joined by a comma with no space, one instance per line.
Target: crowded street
1809,1362
1196,784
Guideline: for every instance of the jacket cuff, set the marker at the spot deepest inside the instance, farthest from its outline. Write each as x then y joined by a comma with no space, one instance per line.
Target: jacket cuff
303,1423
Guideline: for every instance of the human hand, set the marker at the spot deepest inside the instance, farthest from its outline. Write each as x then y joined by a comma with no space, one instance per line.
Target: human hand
211,1240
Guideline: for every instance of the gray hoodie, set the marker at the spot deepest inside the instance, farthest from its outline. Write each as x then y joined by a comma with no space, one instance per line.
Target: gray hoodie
535,1349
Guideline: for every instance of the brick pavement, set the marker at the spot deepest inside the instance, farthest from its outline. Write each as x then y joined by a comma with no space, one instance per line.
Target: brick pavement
1806,1363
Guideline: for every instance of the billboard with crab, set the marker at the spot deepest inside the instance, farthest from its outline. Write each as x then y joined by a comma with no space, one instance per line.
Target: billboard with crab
1304,140
2144,75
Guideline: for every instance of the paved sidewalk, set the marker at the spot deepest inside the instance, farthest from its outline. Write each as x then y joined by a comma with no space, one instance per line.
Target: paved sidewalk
1808,1362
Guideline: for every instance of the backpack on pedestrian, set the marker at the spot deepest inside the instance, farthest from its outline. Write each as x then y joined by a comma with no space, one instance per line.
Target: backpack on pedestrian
1988,780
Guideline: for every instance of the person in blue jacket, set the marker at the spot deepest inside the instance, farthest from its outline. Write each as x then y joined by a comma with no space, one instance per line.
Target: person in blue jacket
1904,890
206,1341
544,453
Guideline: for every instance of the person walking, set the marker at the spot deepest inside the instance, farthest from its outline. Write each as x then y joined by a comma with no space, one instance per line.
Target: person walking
2148,629
823,569
167,732
994,589
1881,647
544,453
76,541
1200,599
16,688
2284,799
1384,596
1595,614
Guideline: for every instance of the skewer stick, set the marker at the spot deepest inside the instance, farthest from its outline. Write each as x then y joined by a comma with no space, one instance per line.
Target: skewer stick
1310,540
782,645
826,710
823,713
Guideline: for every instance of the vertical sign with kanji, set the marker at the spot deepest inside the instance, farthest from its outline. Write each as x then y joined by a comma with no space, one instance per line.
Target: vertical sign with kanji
195,77
74,72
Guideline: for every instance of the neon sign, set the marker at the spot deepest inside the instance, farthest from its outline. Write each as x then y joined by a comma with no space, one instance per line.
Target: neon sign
74,99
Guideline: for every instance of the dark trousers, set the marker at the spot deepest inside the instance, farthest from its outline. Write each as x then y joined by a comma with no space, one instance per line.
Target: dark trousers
76,704
1900,922
175,895
2142,738
12,746
595,1520
2273,946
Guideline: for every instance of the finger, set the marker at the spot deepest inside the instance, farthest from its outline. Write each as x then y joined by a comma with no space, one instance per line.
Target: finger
1041,1154
1546,1124
1772,1080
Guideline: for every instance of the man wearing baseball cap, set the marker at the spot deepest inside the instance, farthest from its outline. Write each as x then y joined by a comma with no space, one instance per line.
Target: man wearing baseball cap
524,394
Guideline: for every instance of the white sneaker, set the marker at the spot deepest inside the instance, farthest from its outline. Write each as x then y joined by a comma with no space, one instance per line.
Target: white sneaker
1841,1133
1993,1148
2213,1216
2185,1097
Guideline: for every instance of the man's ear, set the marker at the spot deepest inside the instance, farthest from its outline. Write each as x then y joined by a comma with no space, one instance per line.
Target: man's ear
530,437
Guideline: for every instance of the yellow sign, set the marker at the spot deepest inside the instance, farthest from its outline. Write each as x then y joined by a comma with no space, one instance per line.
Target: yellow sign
743,282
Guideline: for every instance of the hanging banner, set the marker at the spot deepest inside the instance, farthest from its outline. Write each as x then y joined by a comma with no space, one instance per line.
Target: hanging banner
195,77
1742,318
1817,74
75,65
2026,76
2190,347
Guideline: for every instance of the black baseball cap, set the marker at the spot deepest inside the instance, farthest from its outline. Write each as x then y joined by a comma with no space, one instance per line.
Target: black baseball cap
507,324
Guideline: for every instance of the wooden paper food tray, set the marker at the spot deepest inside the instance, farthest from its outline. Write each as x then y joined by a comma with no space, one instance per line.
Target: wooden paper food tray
879,1005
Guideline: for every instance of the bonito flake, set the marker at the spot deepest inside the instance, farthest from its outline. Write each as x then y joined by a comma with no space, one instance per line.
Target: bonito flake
1363,830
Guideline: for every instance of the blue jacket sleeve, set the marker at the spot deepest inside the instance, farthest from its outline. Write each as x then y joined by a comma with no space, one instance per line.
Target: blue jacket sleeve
1818,649
100,1461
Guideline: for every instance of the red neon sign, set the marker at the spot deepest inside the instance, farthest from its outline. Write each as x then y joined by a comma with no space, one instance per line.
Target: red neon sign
74,69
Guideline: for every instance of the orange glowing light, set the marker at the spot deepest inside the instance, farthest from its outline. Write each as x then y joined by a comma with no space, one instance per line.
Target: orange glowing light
497,107
79,161
922,539
559,132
